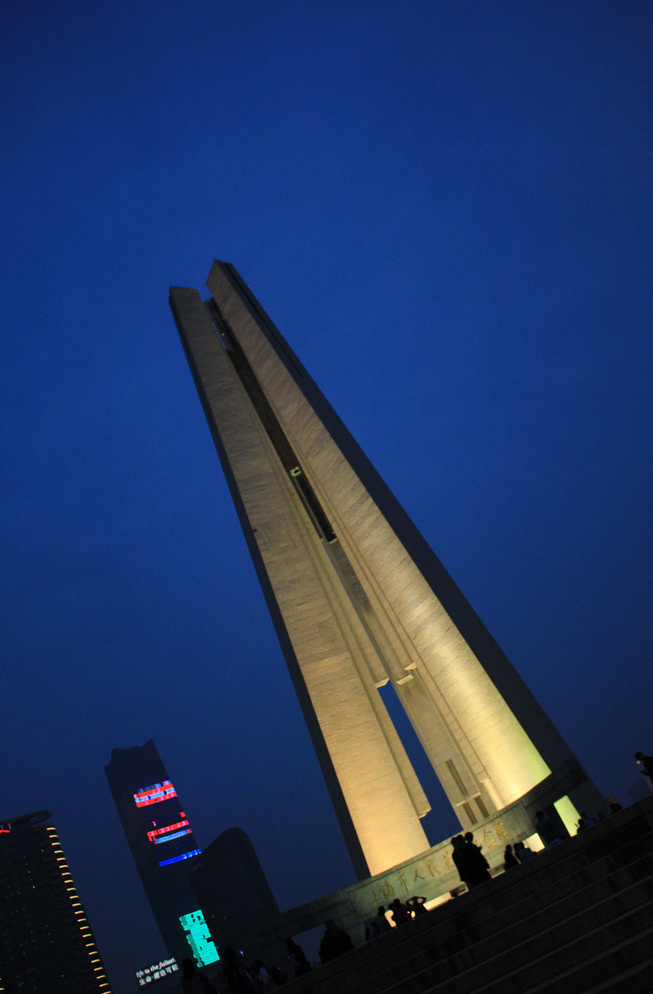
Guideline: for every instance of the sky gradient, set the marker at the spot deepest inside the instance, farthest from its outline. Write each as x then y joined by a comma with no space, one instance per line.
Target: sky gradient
446,209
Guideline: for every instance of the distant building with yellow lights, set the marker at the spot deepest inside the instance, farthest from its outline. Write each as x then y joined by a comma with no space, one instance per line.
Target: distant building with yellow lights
360,602
46,942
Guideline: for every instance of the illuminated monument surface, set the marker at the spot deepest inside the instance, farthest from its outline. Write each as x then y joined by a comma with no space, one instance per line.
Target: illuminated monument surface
359,599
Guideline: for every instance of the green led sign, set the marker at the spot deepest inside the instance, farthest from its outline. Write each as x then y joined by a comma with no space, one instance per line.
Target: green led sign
199,938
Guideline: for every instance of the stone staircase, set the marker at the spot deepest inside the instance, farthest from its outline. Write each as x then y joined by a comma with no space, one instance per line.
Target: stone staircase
576,919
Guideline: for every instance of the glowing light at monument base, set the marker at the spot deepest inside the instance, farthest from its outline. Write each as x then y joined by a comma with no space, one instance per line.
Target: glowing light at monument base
568,814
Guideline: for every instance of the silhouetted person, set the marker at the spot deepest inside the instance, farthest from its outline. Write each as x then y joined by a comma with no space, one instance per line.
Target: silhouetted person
458,856
334,943
345,941
237,975
645,764
278,975
470,862
416,905
297,962
585,821
479,868
509,858
522,852
546,829
329,946
372,930
614,807
262,977
377,926
192,981
400,913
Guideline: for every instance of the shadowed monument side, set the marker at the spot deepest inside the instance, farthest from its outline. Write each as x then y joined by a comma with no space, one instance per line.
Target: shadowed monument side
358,599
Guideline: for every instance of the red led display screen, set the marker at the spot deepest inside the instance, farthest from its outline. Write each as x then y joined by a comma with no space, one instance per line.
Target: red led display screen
167,828
154,794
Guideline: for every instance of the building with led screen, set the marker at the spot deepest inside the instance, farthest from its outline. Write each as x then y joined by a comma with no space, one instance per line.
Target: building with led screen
361,604
46,942
163,847
236,898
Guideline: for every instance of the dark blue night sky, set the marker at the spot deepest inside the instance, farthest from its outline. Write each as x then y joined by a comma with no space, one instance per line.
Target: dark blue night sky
446,207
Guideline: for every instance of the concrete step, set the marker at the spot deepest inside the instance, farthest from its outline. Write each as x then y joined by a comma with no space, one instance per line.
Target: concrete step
570,967
633,980
561,903
606,968
573,920
566,921
581,961
430,957
555,878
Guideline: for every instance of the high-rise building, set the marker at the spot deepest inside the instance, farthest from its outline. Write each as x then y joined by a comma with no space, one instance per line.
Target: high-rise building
163,847
360,601
236,898
46,942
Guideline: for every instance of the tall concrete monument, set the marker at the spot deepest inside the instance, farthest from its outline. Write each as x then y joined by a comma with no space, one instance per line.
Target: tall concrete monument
359,599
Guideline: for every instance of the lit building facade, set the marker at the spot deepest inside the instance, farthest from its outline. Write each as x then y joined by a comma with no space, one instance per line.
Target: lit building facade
46,942
163,847
359,601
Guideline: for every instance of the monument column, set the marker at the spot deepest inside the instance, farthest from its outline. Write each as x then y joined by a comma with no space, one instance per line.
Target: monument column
358,598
